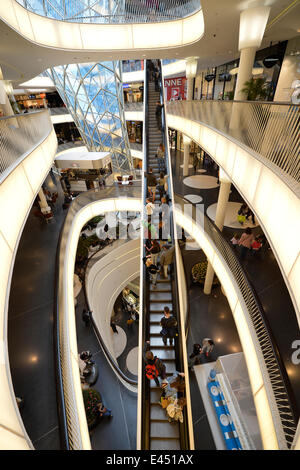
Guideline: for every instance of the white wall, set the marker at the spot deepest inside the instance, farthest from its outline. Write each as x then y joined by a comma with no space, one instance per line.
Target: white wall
17,192
106,279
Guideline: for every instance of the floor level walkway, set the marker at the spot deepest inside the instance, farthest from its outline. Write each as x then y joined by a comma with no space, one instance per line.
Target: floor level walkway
263,272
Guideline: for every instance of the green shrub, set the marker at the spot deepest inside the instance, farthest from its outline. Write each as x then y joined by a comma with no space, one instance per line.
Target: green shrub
91,399
199,272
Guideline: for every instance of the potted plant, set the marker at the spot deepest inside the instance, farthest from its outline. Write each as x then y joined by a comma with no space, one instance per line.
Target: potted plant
92,400
199,273
255,89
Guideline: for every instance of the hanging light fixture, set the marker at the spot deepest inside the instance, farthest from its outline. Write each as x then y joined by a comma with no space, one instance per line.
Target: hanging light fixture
191,67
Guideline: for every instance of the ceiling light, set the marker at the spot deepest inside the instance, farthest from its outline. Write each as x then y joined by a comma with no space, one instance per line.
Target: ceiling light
252,26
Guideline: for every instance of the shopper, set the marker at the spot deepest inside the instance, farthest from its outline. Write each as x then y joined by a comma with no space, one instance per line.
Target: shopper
249,213
245,242
153,270
169,327
207,346
103,411
154,366
256,245
160,154
155,251
195,162
161,184
113,326
149,207
235,240
86,317
166,258
241,217
151,183
158,114
195,356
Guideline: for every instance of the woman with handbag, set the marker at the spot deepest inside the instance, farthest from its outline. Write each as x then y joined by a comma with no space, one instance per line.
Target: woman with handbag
169,327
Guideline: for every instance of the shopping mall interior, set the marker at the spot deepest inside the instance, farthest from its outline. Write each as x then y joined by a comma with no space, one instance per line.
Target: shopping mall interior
149,225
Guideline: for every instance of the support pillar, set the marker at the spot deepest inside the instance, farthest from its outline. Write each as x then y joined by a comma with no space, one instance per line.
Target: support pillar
45,209
190,89
4,101
252,27
186,155
220,217
247,58
190,72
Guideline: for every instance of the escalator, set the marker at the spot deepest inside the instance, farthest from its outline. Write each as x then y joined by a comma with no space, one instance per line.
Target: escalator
157,432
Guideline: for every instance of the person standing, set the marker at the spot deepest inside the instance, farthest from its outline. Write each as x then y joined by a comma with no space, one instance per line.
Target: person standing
152,269
160,153
169,327
245,242
158,110
207,346
151,183
86,317
195,162
167,258
154,366
155,251
161,184
149,207
195,356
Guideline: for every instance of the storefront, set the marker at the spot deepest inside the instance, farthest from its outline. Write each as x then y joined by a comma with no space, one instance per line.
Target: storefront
36,101
133,92
135,131
132,65
82,170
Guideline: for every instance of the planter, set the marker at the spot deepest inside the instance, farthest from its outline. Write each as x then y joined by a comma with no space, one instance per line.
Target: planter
199,273
92,399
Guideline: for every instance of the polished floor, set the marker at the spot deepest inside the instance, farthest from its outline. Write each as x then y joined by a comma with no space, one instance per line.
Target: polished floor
263,272
30,325
119,432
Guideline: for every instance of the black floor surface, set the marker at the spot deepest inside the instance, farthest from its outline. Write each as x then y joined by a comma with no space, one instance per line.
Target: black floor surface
30,325
211,315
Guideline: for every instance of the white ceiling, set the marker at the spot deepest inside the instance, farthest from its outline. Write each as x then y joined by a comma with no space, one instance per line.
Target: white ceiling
21,60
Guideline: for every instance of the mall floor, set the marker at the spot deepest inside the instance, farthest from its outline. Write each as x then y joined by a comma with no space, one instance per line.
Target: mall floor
30,340
30,325
263,271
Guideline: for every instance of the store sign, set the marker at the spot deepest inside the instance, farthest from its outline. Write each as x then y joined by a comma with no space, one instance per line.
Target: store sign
126,85
175,88
209,77
225,77
270,61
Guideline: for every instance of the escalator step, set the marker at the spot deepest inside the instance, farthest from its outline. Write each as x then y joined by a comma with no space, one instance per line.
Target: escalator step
158,413
164,444
164,430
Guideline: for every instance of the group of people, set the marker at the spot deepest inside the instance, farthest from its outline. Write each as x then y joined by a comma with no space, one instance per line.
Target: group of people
172,397
154,74
247,243
162,182
158,254
198,349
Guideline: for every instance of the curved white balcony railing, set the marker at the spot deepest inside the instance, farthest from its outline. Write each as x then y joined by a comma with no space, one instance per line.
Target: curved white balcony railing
83,37
257,145
83,208
20,134
27,149
124,11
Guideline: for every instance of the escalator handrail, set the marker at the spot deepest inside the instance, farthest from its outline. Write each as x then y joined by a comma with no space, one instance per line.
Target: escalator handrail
184,433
